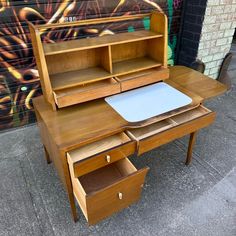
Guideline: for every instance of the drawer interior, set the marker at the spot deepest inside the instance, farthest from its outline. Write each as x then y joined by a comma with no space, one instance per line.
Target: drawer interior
97,147
85,87
152,129
106,176
190,115
147,131
109,189
86,92
152,136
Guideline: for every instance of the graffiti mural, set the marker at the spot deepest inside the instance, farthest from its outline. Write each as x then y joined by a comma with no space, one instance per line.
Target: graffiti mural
19,81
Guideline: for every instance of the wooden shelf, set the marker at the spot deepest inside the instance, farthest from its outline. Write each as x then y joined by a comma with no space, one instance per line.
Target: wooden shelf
79,77
134,65
80,44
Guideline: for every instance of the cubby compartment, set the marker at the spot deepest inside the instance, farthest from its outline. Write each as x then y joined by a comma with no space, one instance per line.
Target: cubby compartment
109,189
133,57
78,68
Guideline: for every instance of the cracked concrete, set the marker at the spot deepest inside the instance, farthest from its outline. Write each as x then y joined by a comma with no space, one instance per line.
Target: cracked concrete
177,200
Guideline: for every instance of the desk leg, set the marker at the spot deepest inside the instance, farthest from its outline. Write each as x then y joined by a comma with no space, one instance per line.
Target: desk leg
72,206
191,143
68,184
47,155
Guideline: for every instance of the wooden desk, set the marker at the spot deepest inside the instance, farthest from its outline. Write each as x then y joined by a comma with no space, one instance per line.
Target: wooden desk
78,138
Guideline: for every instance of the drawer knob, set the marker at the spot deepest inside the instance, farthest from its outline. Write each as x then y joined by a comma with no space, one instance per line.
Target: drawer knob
120,195
108,158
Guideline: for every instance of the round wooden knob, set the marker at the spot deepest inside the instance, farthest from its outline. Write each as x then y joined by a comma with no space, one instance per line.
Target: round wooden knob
108,158
120,195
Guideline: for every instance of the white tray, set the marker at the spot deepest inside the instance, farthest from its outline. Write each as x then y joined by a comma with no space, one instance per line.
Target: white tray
147,102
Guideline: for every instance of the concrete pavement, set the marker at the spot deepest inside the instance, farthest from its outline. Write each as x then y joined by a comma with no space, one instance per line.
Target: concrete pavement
177,200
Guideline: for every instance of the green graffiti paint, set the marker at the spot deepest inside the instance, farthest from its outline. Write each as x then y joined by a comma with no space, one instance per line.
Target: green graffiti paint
172,44
170,56
130,29
170,13
146,23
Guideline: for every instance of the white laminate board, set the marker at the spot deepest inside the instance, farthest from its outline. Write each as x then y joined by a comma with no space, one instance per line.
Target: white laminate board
146,102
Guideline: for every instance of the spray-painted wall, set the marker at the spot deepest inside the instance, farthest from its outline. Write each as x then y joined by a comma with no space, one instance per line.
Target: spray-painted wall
19,81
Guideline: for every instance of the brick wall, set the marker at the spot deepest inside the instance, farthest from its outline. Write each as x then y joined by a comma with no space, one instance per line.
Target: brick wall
217,34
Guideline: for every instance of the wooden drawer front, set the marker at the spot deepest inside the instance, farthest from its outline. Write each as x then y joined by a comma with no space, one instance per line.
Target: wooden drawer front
83,93
172,128
104,159
109,189
142,78
101,153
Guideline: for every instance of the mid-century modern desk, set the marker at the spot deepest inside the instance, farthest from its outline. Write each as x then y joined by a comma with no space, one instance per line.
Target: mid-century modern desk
85,133
89,144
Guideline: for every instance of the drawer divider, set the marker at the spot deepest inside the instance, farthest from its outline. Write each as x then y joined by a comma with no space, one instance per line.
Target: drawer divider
172,121
130,135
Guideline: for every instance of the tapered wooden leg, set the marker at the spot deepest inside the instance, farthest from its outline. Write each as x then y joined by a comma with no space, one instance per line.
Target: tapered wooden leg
66,177
73,207
47,155
191,143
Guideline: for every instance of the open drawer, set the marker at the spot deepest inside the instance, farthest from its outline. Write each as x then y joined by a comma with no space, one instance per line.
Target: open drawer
162,132
107,190
82,93
101,153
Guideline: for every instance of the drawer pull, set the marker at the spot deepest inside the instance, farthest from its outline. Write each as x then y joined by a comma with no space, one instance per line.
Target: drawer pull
108,158
120,195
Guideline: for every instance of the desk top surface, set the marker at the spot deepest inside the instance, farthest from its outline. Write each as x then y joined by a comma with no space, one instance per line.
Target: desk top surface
83,123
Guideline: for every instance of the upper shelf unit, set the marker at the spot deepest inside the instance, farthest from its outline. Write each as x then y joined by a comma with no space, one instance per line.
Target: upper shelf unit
70,71
106,40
